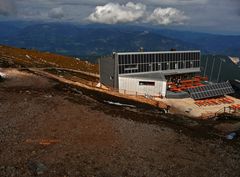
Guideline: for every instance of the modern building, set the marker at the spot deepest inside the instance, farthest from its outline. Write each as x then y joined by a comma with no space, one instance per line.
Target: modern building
147,73
236,86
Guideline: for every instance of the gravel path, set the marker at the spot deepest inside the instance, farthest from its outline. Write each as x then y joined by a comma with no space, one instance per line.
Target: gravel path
45,131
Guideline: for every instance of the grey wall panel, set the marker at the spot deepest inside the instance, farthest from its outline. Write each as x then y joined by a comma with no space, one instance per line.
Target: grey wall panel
116,71
107,75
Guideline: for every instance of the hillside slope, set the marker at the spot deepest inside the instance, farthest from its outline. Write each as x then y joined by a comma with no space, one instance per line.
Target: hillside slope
33,58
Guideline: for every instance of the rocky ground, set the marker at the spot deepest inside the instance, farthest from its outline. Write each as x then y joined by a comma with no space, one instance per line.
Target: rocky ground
47,130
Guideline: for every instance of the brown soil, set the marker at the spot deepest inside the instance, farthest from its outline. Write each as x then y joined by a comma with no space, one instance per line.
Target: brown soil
53,129
43,124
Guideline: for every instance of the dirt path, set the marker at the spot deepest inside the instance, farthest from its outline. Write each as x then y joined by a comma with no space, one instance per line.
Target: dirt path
47,131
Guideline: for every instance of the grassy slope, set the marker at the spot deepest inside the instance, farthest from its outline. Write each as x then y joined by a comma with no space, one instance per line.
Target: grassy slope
33,58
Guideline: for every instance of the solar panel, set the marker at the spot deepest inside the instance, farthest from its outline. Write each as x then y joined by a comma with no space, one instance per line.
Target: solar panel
210,91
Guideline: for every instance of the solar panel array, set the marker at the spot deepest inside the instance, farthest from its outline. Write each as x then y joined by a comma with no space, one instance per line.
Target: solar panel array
210,91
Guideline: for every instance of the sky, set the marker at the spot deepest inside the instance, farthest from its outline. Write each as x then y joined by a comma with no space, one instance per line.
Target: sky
216,16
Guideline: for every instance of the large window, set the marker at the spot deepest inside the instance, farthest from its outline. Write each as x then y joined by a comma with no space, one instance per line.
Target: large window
146,83
196,64
131,67
172,65
121,60
180,65
157,57
188,64
164,66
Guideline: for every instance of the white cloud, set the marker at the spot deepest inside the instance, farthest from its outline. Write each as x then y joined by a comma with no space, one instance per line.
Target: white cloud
206,15
7,7
167,16
115,13
57,13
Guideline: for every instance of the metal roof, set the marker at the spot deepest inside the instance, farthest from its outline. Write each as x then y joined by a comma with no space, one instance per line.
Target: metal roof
157,52
162,72
181,71
148,76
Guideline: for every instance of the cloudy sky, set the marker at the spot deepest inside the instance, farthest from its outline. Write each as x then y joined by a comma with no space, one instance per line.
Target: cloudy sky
220,16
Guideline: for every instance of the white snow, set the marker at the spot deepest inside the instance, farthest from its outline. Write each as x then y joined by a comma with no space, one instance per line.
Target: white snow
98,85
3,75
235,60
119,104
28,56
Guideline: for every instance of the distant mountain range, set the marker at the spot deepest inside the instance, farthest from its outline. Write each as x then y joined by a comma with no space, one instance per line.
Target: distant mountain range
96,40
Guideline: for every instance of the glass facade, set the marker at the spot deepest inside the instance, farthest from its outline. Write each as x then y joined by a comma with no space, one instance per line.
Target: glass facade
149,62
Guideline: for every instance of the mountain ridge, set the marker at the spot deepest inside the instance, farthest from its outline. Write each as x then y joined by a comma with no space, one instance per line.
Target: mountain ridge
98,40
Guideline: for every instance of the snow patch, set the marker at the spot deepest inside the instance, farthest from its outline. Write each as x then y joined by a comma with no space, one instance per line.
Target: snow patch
28,56
235,60
3,75
119,104
98,85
